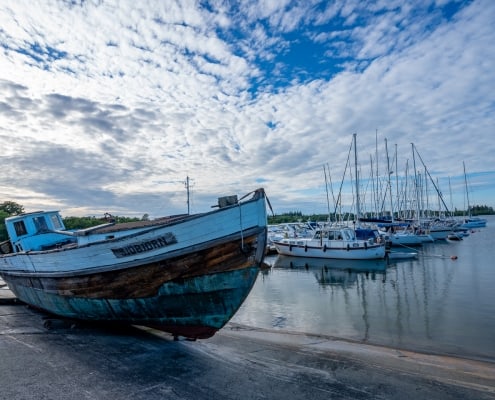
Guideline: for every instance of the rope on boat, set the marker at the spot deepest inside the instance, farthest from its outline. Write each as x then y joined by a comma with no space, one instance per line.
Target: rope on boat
408,247
269,205
240,223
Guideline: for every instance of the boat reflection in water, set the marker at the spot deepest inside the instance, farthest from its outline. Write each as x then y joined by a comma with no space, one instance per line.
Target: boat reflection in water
335,272
439,302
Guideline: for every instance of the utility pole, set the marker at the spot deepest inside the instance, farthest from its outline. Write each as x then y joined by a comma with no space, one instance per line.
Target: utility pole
186,183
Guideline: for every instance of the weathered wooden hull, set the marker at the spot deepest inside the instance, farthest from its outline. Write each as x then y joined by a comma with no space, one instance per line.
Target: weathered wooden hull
188,286
195,307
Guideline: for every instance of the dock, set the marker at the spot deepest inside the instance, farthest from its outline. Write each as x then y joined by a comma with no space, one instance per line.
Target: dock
43,356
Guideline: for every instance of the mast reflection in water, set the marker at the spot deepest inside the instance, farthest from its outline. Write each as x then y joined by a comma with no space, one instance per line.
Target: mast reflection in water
441,302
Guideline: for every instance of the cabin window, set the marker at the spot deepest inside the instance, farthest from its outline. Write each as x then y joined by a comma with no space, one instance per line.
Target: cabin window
55,221
20,228
40,224
348,235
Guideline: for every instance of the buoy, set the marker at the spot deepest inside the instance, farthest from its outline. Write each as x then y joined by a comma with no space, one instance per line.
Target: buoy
453,257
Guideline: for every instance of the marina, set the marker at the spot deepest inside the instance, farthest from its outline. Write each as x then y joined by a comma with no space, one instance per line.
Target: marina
369,329
440,301
268,200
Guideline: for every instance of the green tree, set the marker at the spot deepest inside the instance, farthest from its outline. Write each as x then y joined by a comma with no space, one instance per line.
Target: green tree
11,208
88,222
81,222
7,209
3,231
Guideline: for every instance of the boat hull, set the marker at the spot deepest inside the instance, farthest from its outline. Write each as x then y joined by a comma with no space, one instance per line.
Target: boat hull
408,239
471,224
440,234
345,252
187,278
193,301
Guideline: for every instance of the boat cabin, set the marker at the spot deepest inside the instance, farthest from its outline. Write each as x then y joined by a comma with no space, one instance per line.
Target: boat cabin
335,234
36,231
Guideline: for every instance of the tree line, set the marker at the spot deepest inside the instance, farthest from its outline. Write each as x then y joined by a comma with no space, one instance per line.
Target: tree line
298,216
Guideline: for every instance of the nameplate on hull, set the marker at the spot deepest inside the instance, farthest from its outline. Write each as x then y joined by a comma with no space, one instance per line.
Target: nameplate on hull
145,245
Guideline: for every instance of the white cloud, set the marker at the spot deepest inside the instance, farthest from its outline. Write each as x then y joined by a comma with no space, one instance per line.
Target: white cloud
117,103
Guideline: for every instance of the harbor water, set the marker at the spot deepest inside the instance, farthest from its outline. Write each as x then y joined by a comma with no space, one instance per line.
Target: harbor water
442,302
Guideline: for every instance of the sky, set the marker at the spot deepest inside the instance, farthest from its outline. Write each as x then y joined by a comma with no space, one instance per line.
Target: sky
110,106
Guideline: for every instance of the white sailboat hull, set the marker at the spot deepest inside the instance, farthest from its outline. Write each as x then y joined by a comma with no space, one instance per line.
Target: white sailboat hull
344,250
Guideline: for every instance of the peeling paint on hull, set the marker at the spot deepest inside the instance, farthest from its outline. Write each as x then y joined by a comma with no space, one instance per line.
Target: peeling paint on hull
195,307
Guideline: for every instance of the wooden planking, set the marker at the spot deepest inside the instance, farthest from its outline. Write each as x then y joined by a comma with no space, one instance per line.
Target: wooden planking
144,281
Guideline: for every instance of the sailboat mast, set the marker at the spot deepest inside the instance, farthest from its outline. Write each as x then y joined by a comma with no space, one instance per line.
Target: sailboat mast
326,187
397,183
373,197
389,183
467,190
416,193
377,201
358,210
451,201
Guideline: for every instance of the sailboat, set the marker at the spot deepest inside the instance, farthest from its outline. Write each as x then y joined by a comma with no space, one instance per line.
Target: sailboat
438,228
338,242
400,233
470,221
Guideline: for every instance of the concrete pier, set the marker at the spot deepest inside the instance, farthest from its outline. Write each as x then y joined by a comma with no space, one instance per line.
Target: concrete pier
44,357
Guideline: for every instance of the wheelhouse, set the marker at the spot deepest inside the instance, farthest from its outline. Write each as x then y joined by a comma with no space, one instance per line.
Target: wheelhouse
41,230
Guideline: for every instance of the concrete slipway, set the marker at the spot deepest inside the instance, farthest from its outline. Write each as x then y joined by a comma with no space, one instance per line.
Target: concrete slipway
43,357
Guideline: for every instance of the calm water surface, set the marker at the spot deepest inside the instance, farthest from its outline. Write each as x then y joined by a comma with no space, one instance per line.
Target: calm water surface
434,303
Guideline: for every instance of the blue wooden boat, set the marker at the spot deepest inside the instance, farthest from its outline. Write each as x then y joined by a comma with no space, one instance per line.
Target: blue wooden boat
186,275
